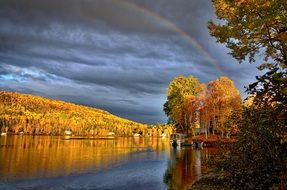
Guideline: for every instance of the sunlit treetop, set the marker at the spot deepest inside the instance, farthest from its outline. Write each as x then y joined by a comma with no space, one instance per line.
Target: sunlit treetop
249,27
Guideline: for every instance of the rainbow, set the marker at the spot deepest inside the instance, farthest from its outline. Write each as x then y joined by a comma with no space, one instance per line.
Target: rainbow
174,27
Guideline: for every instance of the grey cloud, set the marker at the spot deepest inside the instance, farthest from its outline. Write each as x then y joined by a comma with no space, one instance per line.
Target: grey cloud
124,64
117,14
115,55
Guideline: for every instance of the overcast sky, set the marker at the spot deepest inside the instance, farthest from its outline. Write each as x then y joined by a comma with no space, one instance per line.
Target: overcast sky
112,54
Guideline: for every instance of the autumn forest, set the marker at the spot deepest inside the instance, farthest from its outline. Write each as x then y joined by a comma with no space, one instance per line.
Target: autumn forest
28,114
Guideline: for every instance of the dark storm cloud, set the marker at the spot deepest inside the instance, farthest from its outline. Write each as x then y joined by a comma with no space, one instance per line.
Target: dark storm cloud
111,54
140,114
192,16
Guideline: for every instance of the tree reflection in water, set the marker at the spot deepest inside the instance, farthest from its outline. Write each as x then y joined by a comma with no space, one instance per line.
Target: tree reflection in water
31,157
184,167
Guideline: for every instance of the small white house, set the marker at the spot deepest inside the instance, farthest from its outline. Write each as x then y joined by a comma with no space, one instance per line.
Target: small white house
3,133
111,134
163,135
68,132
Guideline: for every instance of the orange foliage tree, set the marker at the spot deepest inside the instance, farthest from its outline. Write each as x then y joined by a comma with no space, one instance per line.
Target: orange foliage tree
191,104
180,105
224,99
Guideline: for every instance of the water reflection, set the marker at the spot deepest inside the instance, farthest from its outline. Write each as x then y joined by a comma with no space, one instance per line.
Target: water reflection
29,157
44,162
185,166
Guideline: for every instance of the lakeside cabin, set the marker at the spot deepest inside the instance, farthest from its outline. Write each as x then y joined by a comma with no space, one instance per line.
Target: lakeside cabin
67,132
3,133
110,134
163,135
137,135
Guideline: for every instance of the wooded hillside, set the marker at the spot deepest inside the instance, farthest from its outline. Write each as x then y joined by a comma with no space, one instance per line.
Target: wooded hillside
36,115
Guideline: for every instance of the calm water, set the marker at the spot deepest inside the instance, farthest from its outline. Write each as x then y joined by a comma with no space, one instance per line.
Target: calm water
43,162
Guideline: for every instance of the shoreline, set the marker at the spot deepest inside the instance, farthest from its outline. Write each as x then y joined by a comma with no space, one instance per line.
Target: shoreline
209,181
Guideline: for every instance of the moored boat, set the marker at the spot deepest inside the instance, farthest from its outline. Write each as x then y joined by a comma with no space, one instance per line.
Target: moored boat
177,139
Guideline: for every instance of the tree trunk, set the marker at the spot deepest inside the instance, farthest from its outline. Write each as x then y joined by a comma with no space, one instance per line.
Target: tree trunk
208,127
185,125
190,124
214,124
228,135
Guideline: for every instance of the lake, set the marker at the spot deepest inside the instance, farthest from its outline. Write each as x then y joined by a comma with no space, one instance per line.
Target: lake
47,162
